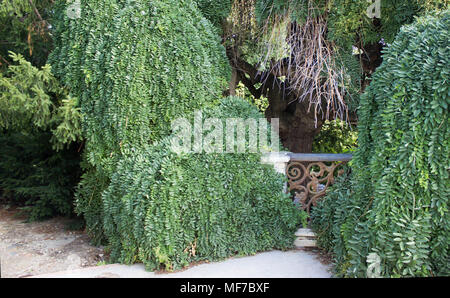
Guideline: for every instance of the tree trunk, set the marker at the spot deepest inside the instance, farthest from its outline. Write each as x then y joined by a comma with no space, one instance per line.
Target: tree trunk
233,83
300,142
297,126
298,123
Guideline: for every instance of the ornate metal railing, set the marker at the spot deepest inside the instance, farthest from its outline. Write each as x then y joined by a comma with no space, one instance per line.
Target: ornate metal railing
309,175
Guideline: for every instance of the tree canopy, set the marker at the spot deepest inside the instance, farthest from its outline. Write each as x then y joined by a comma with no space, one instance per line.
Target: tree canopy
298,54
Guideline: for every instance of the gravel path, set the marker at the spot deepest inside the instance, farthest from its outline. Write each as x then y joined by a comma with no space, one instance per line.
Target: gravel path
45,249
28,249
272,264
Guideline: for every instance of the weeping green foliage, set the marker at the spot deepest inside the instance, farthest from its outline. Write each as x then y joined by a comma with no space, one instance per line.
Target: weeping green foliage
396,207
136,65
216,11
88,201
334,219
167,210
31,99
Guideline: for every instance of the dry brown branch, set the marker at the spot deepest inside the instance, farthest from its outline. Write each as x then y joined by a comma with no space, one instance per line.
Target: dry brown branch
36,11
308,64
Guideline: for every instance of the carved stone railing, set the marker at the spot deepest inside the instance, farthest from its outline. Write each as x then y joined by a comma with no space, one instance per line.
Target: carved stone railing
309,175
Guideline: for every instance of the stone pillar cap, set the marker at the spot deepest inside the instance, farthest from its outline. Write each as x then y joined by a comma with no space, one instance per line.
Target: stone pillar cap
275,157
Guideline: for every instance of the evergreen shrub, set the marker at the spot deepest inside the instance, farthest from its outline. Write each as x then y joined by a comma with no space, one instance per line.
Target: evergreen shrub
390,217
165,209
136,66
35,177
39,133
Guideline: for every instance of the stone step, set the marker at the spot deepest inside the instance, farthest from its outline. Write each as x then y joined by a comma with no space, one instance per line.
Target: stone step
305,233
299,243
305,238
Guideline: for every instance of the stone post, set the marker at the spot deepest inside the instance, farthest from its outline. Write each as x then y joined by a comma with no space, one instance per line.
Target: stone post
279,160
304,237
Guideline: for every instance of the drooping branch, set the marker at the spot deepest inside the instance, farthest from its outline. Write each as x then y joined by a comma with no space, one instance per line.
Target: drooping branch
36,11
309,63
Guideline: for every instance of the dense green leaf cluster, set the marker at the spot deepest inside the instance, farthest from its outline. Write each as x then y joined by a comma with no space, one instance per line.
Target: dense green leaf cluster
88,200
329,216
32,99
24,31
136,66
168,210
392,219
33,175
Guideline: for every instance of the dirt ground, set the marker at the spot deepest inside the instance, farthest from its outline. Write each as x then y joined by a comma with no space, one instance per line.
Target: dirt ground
28,249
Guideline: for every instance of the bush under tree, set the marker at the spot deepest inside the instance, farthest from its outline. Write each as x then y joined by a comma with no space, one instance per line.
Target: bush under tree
39,132
136,66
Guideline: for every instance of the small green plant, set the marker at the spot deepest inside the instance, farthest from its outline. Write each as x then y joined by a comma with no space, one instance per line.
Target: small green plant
261,103
336,137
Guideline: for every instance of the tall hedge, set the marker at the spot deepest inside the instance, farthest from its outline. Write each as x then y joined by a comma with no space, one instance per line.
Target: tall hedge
167,210
40,131
135,66
390,217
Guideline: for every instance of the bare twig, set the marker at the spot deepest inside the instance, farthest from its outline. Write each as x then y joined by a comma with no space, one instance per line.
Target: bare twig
36,11
309,64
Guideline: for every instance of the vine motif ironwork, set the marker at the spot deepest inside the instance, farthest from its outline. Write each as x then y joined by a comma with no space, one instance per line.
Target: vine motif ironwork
309,180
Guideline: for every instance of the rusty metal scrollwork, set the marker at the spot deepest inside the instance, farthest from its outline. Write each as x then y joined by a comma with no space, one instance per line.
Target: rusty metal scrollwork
309,180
